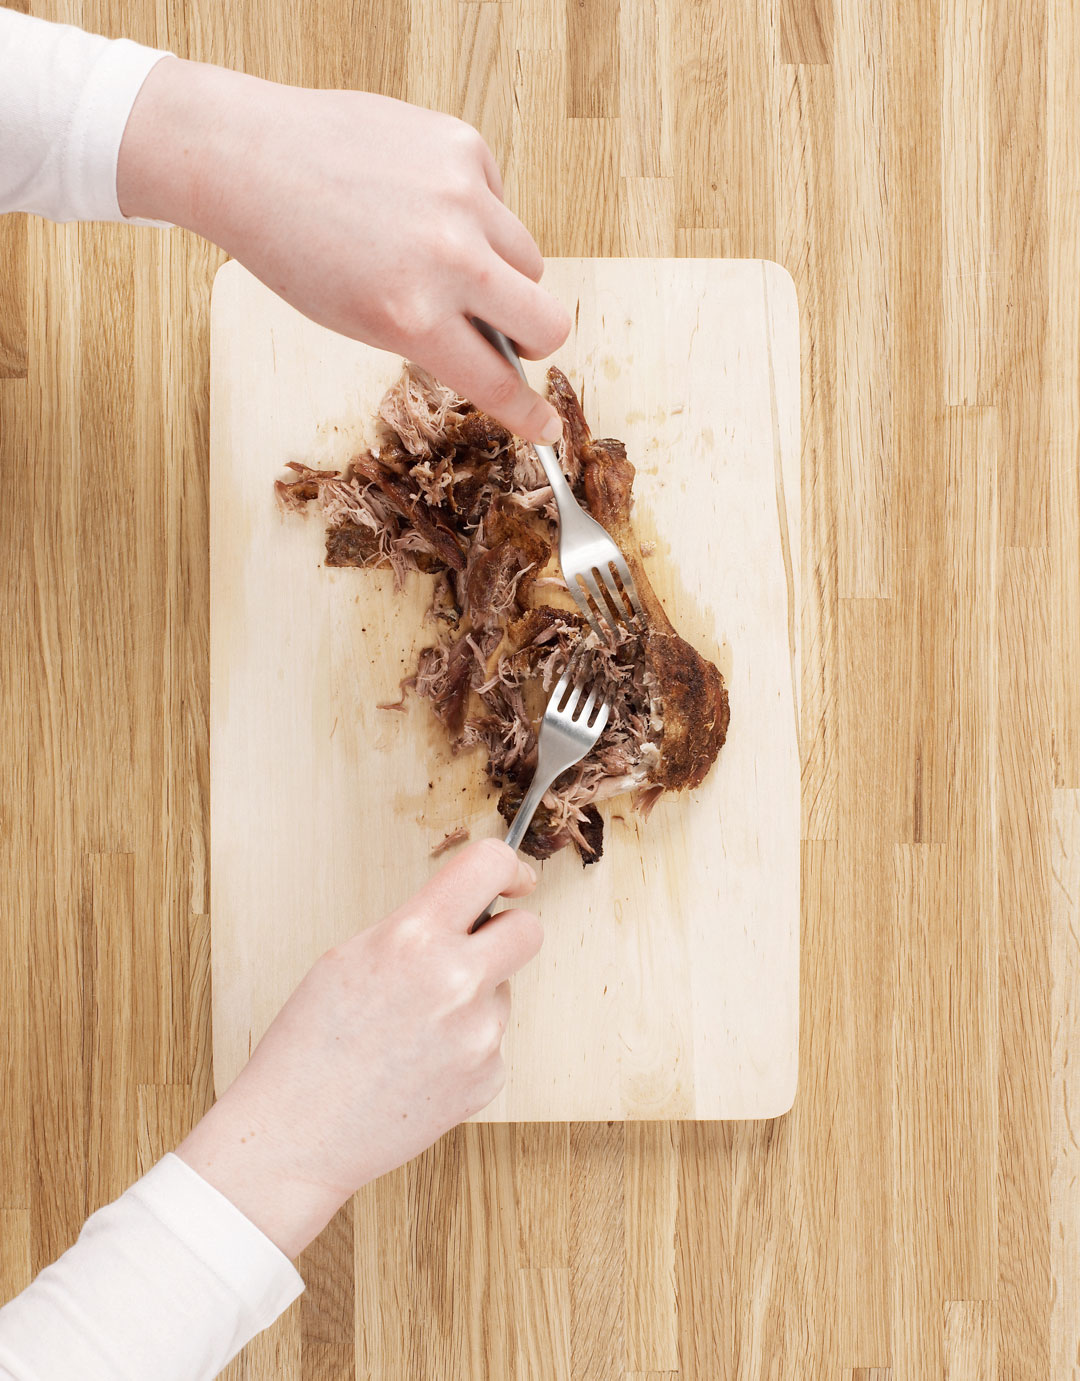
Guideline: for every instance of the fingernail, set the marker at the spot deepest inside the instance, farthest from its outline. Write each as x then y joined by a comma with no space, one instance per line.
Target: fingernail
552,430
528,870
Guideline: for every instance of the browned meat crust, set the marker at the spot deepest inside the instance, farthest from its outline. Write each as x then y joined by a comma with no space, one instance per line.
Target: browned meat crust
351,545
448,491
407,500
696,712
690,688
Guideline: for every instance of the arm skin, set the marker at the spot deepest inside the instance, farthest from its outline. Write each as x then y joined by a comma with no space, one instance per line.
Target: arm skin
392,1038
384,222
373,217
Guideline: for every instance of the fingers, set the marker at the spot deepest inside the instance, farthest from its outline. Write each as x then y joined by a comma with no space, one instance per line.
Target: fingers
491,169
512,242
534,320
477,875
507,943
463,360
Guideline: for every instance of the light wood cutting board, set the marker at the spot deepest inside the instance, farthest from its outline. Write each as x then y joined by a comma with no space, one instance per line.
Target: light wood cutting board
667,986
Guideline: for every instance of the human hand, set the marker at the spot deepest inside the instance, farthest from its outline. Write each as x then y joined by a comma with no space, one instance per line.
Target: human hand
378,219
393,1038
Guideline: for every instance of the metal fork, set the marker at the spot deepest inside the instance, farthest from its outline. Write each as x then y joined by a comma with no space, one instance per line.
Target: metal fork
571,725
589,558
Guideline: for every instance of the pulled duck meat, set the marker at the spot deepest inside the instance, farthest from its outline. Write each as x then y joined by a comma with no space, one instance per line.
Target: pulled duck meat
446,490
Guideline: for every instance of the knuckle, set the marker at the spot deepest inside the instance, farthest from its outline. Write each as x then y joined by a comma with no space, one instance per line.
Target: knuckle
460,984
495,860
538,413
453,246
461,190
489,1034
503,390
526,937
468,137
493,852
411,932
412,315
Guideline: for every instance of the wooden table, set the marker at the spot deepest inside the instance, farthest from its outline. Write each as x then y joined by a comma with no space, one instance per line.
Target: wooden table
916,168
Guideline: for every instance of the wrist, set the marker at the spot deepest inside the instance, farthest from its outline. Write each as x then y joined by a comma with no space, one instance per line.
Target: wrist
181,139
236,1152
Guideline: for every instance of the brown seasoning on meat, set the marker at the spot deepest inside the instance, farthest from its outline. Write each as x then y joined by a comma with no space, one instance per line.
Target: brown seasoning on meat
448,491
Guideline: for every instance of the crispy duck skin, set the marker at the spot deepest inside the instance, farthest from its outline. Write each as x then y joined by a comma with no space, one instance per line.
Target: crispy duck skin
691,689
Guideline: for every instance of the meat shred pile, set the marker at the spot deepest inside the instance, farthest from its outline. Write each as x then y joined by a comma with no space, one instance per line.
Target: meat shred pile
447,491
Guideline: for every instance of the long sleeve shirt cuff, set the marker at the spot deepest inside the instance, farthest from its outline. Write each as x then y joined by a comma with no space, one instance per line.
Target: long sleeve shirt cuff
65,99
169,1281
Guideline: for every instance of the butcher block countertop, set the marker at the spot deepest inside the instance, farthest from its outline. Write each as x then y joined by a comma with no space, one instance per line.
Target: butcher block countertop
667,985
917,1212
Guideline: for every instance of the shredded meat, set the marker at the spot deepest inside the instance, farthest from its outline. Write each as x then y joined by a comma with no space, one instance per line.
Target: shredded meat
448,491
456,836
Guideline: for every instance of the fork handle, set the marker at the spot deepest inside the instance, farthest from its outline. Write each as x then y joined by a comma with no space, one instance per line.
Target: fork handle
544,454
516,833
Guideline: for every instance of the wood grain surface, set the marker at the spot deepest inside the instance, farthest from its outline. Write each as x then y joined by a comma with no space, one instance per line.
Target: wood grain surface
668,982
917,169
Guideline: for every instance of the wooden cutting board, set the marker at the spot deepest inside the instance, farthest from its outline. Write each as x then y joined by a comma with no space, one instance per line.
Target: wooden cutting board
667,986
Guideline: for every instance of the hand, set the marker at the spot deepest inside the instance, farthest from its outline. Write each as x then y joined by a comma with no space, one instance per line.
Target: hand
393,1038
378,219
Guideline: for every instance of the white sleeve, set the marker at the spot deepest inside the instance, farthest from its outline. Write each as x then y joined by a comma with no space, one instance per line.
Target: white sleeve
168,1282
65,98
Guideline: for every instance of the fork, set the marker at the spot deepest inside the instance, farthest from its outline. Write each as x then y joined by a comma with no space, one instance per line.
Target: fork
571,725
590,560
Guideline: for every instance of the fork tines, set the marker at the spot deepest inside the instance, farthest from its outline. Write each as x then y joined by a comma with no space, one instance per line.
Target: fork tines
568,681
571,687
608,598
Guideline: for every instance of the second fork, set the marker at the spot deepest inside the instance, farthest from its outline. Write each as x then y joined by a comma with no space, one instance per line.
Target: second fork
572,722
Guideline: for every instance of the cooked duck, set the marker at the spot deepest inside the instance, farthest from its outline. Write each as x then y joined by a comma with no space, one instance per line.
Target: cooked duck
447,491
